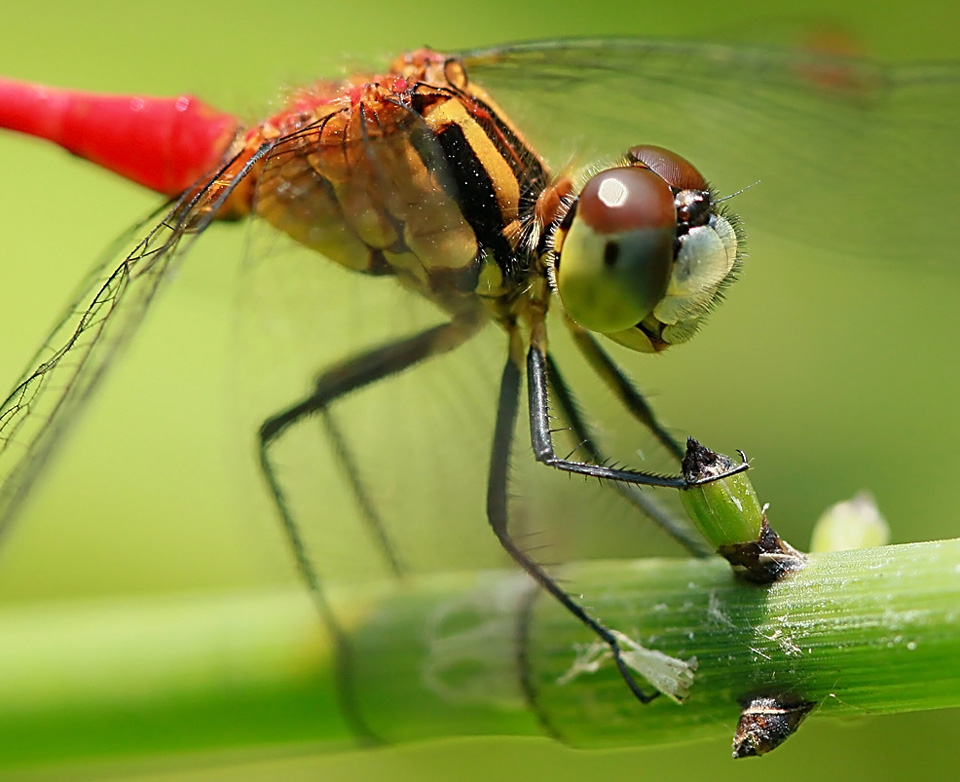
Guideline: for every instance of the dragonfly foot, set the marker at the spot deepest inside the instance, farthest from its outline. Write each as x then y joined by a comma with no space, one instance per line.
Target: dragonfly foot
701,465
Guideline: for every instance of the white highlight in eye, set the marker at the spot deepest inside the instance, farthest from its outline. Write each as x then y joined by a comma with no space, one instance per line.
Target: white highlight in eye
612,192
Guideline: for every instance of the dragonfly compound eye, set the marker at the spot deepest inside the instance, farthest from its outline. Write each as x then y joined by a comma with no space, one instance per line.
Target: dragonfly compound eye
615,259
676,171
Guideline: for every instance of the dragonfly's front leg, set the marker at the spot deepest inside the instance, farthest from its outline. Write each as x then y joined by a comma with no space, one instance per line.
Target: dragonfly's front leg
670,523
542,439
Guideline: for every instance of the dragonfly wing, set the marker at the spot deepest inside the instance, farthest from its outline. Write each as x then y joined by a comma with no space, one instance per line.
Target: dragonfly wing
846,153
419,440
101,319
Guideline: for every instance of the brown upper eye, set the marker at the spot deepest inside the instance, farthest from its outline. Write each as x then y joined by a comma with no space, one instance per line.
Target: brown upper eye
627,199
615,257
676,171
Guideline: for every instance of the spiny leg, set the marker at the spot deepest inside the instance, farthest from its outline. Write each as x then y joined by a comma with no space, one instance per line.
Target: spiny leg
642,501
542,438
636,404
498,513
338,381
622,387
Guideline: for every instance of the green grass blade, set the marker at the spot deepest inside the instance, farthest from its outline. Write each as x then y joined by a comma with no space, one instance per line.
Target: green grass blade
872,630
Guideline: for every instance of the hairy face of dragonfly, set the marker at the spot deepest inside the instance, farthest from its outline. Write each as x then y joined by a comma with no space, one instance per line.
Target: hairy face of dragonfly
642,253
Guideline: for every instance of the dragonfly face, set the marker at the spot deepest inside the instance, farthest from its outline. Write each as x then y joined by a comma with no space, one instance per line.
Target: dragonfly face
642,253
428,175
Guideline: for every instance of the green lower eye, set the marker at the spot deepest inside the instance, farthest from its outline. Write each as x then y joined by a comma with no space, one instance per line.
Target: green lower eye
610,282
615,260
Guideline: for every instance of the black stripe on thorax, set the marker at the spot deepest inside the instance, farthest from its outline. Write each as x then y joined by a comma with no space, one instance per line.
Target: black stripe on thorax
525,164
476,194
475,191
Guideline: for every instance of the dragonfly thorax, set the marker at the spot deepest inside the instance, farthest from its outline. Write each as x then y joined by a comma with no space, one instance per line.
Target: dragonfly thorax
415,174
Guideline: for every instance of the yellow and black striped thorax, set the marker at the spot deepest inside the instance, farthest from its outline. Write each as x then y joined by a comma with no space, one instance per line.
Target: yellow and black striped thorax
417,174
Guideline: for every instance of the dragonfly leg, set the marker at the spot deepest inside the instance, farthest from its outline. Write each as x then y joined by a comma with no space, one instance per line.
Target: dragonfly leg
623,388
542,439
336,382
498,515
660,515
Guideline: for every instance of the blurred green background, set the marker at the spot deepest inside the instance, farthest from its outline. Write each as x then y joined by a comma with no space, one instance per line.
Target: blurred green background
846,377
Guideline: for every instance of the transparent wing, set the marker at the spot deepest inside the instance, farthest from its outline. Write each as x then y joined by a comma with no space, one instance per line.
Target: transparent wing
107,309
419,440
845,152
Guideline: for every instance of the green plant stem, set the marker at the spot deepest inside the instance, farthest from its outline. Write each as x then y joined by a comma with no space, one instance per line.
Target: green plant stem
873,630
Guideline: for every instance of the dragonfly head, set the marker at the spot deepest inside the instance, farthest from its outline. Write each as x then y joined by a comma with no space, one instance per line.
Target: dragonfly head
643,252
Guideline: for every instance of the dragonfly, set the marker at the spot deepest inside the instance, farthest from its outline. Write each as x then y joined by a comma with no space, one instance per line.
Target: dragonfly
473,180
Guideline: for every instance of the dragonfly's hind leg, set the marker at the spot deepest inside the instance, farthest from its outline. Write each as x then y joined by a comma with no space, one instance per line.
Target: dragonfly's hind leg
336,382
498,515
